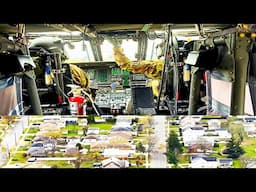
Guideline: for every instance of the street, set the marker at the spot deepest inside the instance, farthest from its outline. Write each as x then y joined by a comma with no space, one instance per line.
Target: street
158,158
11,138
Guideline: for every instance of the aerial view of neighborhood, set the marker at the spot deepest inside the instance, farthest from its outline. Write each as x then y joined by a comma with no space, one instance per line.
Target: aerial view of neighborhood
127,141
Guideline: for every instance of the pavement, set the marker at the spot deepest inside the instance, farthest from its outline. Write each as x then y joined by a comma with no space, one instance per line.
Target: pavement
158,157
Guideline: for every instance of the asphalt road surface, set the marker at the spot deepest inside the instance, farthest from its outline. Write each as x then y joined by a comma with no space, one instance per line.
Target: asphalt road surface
158,158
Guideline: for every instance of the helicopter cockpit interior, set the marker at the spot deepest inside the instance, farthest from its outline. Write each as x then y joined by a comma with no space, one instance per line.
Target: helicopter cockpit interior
116,69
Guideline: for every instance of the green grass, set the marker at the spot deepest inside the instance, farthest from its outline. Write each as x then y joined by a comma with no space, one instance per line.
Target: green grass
2,133
33,130
220,148
102,126
174,126
249,147
23,148
183,159
211,117
140,137
25,130
87,164
59,164
218,156
237,163
73,127
18,158
30,137
204,121
104,132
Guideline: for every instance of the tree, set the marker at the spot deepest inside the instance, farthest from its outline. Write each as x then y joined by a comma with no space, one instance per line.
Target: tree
140,147
85,129
171,157
9,120
237,131
79,146
174,144
90,119
233,148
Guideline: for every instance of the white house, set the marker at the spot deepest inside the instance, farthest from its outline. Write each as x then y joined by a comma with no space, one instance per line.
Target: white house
214,124
114,162
112,152
88,140
203,162
225,163
223,134
250,129
93,131
190,120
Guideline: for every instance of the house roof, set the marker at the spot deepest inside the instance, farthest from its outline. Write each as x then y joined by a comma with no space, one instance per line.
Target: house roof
196,128
226,160
113,160
204,157
93,128
209,158
90,137
122,129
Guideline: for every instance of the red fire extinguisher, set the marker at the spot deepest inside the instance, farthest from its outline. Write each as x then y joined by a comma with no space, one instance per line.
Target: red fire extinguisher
76,104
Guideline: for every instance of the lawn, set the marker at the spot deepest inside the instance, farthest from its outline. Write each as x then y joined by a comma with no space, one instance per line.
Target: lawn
174,126
87,164
2,133
33,130
220,148
30,137
23,148
237,163
104,132
18,157
249,147
211,117
73,127
25,130
59,164
183,159
102,126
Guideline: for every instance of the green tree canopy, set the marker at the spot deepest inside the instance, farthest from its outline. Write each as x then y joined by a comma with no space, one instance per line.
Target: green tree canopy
174,144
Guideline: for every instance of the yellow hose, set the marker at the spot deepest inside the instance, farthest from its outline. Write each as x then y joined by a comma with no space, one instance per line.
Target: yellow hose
152,69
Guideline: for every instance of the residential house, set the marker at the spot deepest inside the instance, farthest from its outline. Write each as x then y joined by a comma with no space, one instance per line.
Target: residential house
118,153
214,124
250,129
203,162
189,121
93,131
114,162
249,119
251,165
225,163
88,140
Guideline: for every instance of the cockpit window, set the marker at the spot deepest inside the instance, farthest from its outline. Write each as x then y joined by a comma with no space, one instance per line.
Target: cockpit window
79,51
130,48
152,49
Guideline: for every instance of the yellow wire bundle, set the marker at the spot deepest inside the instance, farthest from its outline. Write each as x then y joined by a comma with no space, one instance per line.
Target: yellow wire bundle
79,76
